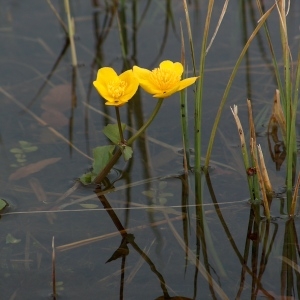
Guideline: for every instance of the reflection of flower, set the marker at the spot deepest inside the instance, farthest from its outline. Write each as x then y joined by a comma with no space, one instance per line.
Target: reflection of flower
116,90
164,81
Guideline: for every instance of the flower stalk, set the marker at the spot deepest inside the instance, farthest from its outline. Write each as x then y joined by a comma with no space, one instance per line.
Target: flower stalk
117,90
118,153
120,125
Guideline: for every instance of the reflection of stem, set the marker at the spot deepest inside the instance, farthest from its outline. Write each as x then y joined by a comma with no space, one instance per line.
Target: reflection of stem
246,254
71,33
289,252
130,240
51,73
265,252
254,256
152,267
73,104
195,259
243,260
111,213
203,234
185,212
122,277
118,153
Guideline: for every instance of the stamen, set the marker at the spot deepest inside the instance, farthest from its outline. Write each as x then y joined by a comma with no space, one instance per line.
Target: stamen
164,78
117,88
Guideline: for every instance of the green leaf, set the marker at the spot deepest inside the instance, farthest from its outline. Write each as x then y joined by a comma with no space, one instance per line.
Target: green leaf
12,240
162,185
166,195
27,147
21,160
16,150
112,132
89,206
30,149
149,193
24,144
86,178
102,156
3,204
162,200
127,152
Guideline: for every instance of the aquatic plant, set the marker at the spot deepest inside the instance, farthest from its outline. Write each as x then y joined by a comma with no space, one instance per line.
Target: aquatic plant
117,91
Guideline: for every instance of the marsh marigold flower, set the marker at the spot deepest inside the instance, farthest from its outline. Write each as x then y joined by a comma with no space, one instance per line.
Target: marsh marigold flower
164,81
116,90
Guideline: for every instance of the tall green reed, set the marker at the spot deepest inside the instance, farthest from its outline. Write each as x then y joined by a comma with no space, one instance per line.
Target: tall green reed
261,22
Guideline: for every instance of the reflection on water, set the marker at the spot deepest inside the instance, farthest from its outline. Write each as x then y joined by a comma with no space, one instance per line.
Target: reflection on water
142,236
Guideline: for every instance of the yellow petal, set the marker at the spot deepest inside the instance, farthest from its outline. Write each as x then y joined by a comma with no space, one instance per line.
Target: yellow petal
132,85
144,78
102,90
186,82
167,93
118,104
166,64
141,73
178,68
104,76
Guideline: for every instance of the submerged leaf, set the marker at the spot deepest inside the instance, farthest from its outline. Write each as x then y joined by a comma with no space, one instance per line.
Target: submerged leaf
16,150
162,185
89,206
162,200
25,144
149,193
112,132
3,204
30,149
11,240
33,168
27,147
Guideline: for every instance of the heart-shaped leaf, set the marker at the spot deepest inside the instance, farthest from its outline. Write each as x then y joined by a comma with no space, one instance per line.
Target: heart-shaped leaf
102,156
112,132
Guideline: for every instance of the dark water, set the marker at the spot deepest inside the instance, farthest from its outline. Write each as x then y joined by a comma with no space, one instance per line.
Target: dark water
238,257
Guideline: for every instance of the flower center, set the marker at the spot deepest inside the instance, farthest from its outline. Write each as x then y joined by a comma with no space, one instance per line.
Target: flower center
164,78
116,88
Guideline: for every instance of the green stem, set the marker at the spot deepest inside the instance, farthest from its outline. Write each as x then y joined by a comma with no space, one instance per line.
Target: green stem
119,125
146,125
199,93
118,153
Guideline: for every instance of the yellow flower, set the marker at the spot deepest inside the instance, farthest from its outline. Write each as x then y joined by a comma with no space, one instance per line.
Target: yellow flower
164,81
116,90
